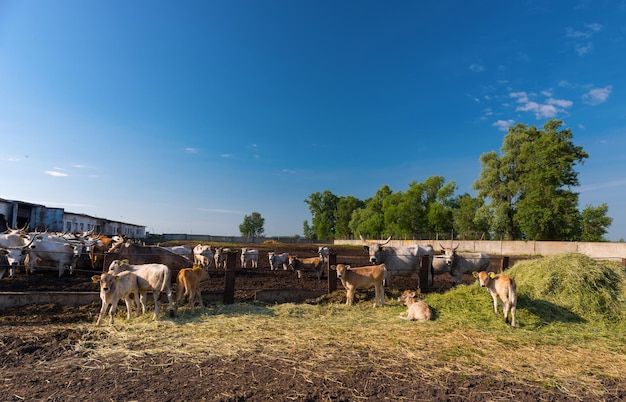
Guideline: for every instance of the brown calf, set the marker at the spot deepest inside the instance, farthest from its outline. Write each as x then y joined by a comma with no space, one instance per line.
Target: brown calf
418,310
362,278
301,264
502,286
189,279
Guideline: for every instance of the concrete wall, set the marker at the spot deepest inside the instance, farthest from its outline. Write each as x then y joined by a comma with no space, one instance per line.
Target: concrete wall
604,250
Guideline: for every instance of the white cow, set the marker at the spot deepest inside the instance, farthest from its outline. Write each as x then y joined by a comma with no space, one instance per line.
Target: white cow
502,286
203,255
150,277
185,251
53,250
220,257
463,263
249,255
114,287
403,261
14,247
276,260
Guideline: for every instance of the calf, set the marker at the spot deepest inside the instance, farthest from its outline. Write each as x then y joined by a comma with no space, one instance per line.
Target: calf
502,286
301,264
277,260
418,310
250,255
203,255
153,277
114,287
362,278
189,280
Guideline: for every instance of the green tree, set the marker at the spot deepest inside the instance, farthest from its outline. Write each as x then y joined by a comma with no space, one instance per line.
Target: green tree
370,221
529,185
345,207
308,231
469,223
323,207
595,223
252,225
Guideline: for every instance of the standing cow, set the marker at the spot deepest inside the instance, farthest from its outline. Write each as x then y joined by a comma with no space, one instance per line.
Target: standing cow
276,260
463,263
249,255
403,261
156,278
114,287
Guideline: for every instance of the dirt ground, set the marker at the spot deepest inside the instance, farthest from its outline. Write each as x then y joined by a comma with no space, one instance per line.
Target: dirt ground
40,359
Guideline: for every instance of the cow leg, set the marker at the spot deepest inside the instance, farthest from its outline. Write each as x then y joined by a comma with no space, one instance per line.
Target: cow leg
170,299
157,303
495,303
103,310
350,296
61,268
141,300
129,307
113,310
513,308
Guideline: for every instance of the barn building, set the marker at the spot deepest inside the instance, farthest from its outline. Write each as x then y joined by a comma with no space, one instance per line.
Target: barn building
17,214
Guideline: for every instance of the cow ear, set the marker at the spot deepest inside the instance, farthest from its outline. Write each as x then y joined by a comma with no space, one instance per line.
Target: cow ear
333,267
126,261
95,279
475,274
492,275
347,266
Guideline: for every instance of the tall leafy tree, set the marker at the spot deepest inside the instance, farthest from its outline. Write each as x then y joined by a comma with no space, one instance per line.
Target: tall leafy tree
323,207
370,221
345,208
529,184
252,225
595,223
469,223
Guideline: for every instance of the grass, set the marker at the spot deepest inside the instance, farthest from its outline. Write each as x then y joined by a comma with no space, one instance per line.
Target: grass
571,332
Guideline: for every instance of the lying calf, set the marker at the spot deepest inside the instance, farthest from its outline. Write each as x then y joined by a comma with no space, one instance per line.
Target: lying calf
418,310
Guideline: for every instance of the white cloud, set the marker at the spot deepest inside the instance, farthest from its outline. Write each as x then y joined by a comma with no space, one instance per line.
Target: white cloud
548,109
477,68
226,155
584,49
55,173
191,150
596,96
503,125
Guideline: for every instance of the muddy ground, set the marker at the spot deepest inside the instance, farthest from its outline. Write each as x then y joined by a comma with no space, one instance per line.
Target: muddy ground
40,359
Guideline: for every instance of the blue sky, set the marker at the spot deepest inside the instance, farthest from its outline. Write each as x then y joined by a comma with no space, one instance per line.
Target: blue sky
186,116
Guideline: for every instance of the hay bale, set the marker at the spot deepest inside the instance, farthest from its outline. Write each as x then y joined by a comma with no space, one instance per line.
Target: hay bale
592,289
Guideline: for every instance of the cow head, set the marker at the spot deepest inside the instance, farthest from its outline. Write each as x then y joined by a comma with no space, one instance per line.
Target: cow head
449,254
407,298
341,269
376,250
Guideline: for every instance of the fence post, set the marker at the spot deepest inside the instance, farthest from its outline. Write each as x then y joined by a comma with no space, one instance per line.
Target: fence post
229,277
332,275
424,270
504,264
623,262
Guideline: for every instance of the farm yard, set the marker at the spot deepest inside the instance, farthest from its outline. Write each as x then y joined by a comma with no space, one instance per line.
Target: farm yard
319,349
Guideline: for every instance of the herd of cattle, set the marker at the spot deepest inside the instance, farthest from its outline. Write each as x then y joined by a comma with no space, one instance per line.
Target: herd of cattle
131,270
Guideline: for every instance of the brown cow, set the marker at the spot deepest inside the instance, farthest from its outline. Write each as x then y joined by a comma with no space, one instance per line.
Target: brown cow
502,286
362,278
418,310
189,280
138,254
313,263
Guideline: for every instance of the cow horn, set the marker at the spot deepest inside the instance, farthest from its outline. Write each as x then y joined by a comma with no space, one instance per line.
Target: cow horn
362,239
387,241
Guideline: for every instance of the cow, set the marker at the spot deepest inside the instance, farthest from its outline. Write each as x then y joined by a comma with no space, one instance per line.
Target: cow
139,254
14,247
249,255
188,285
114,287
402,261
54,250
463,263
150,277
185,251
203,255
312,263
96,252
362,278
323,252
502,286
277,260
220,257
417,309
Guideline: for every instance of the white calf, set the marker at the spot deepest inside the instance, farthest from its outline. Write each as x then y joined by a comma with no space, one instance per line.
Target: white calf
502,286
113,288
249,255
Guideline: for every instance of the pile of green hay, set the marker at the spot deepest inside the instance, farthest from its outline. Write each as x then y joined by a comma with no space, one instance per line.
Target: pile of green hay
572,284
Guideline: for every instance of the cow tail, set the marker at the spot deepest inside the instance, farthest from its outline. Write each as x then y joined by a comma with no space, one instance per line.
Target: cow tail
513,292
167,277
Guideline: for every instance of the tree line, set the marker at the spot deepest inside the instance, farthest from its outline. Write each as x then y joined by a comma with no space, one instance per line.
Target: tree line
523,193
